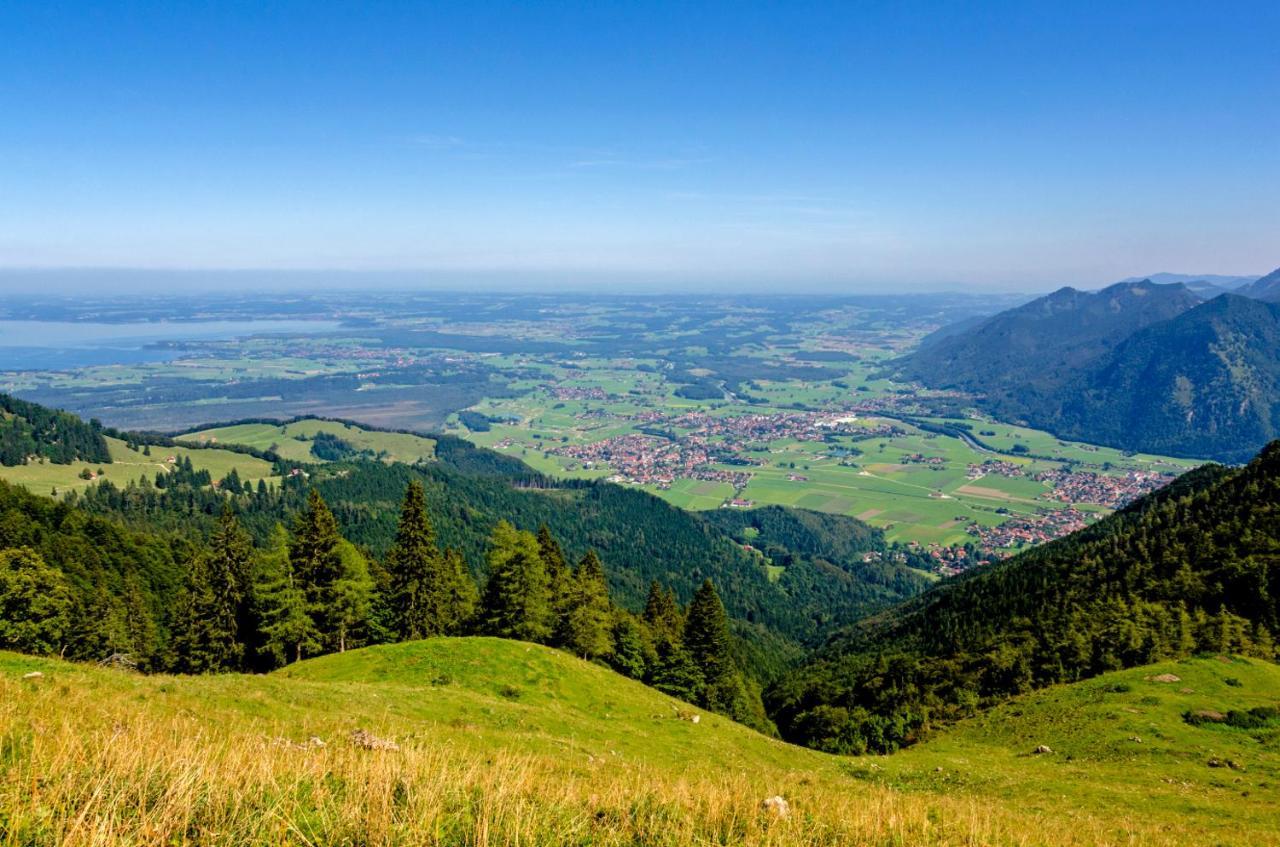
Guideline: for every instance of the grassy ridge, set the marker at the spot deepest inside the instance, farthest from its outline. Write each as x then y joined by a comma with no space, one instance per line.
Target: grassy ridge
502,742
128,465
292,441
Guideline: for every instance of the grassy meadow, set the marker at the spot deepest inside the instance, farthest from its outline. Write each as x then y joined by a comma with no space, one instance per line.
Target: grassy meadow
128,465
501,742
293,440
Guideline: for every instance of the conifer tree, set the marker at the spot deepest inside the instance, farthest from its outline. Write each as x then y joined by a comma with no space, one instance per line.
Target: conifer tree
418,592
517,599
204,631
352,597
35,603
706,632
710,644
662,614
632,654
462,595
230,569
586,629
676,673
558,571
316,558
288,630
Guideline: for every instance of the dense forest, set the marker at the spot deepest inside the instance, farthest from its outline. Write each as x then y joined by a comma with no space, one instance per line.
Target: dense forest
1194,567
640,537
29,432
85,587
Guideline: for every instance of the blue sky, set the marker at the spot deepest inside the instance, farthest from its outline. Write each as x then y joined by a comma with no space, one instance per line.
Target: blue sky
826,146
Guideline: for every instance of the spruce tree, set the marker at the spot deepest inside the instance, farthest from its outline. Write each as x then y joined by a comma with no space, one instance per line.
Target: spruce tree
517,599
706,633
586,629
662,614
230,571
710,645
204,636
316,559
632,654
676,673
558,571
418,593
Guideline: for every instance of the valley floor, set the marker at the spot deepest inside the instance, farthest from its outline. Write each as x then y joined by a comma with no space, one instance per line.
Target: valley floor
482,741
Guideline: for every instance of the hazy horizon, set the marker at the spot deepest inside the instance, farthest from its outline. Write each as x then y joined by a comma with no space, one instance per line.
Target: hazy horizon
183,281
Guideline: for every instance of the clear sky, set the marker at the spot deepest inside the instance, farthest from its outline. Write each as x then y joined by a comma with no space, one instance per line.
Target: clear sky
827,146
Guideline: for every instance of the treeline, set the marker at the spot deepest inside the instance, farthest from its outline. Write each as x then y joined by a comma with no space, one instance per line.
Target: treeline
1192,568
29,431
640,537
307,590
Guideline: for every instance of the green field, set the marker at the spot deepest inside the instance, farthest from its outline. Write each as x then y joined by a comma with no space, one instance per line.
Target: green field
504,742
875,481
129,465
293,440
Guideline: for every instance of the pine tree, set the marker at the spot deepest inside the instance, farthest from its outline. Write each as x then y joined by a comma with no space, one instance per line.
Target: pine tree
586,629
517,600
418,601
316,559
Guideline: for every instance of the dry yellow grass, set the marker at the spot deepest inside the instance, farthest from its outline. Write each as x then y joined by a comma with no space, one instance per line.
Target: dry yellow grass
95,757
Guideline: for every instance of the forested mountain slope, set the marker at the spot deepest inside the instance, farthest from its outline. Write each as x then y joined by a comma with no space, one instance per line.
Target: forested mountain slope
29,432
1022,356
639,537
1193,567
128,551
1136,366
1206,383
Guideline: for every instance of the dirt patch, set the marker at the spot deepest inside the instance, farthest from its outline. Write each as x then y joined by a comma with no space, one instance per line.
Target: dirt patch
869,514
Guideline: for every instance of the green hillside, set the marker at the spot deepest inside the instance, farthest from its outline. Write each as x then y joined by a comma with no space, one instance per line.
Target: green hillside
296,440
129,464
502,742
1188,569
28,432
1121,749
1206,383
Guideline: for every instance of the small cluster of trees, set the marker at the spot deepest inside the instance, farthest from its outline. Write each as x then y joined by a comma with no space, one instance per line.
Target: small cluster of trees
309,591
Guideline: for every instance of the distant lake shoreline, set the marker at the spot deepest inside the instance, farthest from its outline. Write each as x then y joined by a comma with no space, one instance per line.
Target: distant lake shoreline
54,345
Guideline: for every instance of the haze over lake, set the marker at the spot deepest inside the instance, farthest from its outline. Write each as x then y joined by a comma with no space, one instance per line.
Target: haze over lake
63,344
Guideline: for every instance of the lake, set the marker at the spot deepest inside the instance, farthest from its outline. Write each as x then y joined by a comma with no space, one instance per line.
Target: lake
39,345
